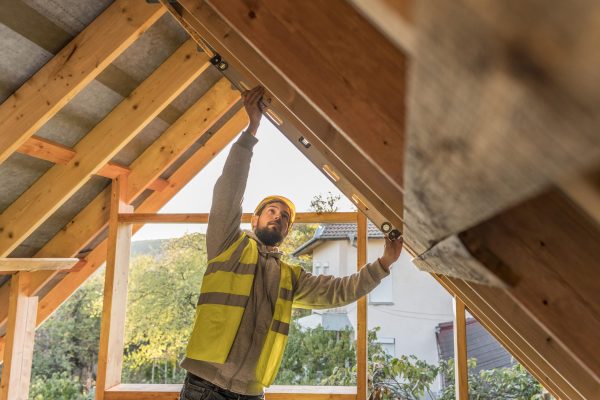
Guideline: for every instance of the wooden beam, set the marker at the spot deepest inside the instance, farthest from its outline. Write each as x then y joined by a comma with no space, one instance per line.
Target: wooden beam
93,218
202,218
322,44
126,120
190,168
393,18
524,339
112,329
461,369
362,372
276,392
494,117
56,153
65,75
12,265
584,190
48,150
552,246
297,117
18,356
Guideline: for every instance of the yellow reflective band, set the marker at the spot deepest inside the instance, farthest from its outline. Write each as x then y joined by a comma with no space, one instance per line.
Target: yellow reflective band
224,256
250,253
227,282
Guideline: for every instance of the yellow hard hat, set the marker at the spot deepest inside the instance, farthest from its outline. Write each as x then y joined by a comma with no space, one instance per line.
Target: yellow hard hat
277,199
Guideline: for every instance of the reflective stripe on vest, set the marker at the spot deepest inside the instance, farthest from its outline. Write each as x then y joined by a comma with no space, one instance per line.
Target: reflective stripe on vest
225,291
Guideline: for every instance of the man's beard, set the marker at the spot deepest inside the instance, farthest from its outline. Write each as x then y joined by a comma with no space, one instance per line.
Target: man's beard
268,236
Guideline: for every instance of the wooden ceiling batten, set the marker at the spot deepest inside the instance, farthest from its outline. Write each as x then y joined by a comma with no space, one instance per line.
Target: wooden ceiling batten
78,63
13,265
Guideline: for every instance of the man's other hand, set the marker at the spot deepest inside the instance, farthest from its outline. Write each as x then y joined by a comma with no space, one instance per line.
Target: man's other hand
391,252
252,103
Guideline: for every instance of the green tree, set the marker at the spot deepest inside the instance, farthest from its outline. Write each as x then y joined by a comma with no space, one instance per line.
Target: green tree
513,382
67,344
312,355
163,292
57,386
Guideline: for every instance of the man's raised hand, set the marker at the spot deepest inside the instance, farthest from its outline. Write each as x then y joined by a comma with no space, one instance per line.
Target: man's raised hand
391,252
252,103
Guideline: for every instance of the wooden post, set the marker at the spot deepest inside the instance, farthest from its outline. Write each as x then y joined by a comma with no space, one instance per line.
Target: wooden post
20,334
361,318
112,330
460,351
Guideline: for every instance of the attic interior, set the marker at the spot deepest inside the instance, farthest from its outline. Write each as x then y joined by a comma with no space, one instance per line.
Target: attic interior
470,127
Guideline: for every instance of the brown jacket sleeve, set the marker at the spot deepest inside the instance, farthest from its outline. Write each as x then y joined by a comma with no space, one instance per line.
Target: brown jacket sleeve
226,209
327,291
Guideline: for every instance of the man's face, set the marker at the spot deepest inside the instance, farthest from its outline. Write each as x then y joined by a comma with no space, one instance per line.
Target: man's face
272,225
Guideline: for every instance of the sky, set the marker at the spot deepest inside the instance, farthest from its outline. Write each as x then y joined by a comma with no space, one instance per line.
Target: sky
277,168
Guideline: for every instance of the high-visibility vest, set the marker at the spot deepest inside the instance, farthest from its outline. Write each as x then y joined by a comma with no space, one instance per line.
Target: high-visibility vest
225,291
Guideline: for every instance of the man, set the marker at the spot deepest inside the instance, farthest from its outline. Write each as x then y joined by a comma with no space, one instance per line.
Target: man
244,308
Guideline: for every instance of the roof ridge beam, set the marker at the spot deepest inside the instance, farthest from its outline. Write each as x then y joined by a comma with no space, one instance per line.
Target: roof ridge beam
66,74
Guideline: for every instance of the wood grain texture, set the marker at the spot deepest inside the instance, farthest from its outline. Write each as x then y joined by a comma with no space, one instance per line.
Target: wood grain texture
48,150
321,47
362,378
503,101
202,218
276,392
526,340
94,260
18,356
103,142
35,264
112,328
552,246
461,369
65,75
450,257
300,119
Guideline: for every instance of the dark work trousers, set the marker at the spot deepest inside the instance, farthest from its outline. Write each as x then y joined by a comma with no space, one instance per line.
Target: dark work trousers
196,388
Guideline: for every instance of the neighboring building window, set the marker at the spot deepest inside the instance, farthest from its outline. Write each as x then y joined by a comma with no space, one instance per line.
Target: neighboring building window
326,268
383,293
317,268
388,345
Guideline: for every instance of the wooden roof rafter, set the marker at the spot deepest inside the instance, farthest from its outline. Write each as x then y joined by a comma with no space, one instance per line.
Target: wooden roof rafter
104,141
296,116
145,170
77,64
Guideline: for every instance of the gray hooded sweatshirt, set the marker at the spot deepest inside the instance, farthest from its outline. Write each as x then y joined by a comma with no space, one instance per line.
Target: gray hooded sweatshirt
238,373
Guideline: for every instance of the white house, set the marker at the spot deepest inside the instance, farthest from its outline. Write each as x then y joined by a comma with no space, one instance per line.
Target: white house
407,306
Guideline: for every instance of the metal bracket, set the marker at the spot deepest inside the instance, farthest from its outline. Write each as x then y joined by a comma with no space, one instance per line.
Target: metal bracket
218,62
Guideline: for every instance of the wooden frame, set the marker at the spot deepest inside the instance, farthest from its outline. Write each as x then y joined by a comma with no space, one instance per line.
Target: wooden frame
461,368
202,218
18,354
14,265
77,64
296,117
90,221
362,381
109,370
112,330
126,120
